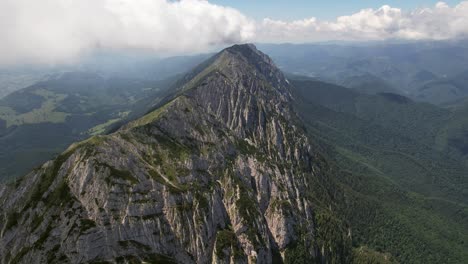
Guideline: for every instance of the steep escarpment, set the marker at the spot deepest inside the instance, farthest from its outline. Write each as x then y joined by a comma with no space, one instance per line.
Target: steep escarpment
221,173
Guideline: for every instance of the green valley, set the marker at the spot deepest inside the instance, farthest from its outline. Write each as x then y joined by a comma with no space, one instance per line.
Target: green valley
40,121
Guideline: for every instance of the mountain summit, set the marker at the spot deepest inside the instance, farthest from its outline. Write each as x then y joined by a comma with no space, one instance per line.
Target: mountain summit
220,173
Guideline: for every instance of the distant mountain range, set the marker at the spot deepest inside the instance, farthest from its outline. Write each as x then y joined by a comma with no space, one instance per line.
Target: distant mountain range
433,72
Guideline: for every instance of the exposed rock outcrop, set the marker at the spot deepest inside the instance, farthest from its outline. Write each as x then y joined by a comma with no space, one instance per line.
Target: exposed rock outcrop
221,173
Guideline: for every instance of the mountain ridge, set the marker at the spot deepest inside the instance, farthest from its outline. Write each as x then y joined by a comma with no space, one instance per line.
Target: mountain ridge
219,174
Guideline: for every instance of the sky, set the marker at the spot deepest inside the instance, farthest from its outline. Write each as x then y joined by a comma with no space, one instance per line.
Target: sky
328,9
59,31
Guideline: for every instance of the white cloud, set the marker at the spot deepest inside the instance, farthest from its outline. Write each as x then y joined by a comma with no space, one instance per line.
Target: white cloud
437,23
60,30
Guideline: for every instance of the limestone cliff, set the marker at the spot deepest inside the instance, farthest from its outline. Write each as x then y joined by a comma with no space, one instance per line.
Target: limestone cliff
220,173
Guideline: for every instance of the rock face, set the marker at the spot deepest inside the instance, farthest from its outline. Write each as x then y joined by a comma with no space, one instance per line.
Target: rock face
221,173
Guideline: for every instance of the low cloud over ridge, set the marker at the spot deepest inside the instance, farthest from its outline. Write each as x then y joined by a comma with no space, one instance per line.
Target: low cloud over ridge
54,31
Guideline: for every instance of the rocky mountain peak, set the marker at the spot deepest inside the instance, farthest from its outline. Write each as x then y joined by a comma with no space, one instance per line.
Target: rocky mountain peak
235,64
220,173
240,86
250,53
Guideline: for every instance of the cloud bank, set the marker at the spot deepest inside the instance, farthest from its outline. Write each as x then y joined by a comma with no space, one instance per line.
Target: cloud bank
60,30
55,31
438,23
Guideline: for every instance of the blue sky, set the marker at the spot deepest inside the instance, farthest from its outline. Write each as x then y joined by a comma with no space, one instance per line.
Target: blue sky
328,9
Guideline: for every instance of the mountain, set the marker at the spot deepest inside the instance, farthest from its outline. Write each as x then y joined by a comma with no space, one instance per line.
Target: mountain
402,194
220,172
442,91
444,129
405,67
367,83
394,112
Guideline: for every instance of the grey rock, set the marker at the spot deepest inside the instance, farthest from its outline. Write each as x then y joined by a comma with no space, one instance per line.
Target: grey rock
219,174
